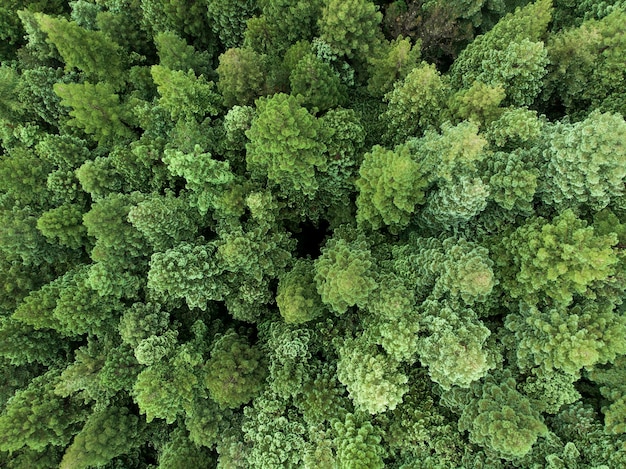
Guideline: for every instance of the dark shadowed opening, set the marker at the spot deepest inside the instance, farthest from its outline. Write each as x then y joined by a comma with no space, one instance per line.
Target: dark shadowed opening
310,238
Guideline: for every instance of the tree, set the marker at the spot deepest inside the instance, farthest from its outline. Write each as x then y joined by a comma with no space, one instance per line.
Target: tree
400,57
587,161
316,84
184,95
297,297
586,73
96,55
344,274
35,417
186,271
511,55
415,104
64,225
229,19
501,419
455,351
284,144
165,221
351,28
390,187
106,435
358,443
375,381
176,54
235,371
95,108
570,338
242,74
556,260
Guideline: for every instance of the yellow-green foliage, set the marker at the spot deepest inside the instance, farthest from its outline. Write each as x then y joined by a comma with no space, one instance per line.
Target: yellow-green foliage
390,186
556,260
297,298
351,27
284,144
502,419
344,274
417,103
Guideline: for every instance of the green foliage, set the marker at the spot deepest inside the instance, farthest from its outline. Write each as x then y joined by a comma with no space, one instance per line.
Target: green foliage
273,433
397,61
312,234
106,435
373,379
416,103
208,179
297,298
23,344
455,351
586,72
514,180
235,372
510,55
35,417
501,419
168,387
64,225
242,74
164,221
23,177
358,444
515,127
289,350
568,339
390,186
184,95
284,144
187,271
316,84
90,51
229,19
557,259
587,161
344,274
95,108
479,103
180,451
612,388
351,27
176,54
283,23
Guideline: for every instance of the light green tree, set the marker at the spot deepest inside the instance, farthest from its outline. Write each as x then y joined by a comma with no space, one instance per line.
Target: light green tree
95,108
285,144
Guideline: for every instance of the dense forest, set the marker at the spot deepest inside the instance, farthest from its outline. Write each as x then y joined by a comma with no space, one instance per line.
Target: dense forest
316,234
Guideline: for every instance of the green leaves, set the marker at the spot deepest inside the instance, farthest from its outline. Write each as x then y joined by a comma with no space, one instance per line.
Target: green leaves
95,108
502,419
390,186
90,51
345,274
267,235
106,434
558,259
587,161
351,27
184,95
235,371
284,144
417,103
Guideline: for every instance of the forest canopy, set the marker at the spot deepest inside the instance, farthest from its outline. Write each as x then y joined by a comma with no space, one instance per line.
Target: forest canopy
348,234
